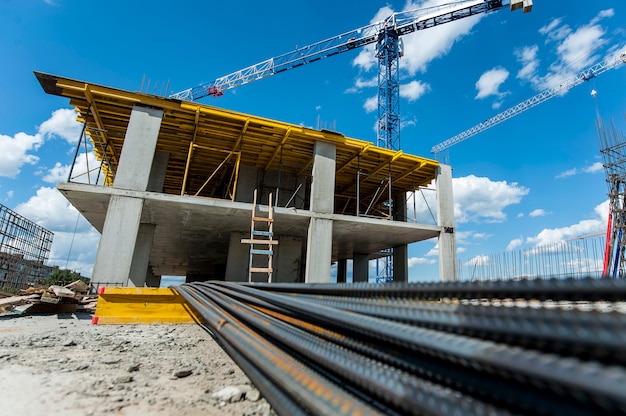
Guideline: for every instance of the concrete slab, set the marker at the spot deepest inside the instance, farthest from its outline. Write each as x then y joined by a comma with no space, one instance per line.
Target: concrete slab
192,234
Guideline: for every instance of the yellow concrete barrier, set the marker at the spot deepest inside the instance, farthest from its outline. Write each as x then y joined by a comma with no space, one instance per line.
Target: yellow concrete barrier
126,305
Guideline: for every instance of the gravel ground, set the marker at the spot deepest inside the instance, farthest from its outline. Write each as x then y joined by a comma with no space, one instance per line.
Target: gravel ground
63,365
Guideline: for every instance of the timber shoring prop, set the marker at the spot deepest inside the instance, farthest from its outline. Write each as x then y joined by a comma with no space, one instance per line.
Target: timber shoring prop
532,347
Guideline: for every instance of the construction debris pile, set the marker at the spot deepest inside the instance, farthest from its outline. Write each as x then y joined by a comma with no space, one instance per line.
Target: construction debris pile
73,297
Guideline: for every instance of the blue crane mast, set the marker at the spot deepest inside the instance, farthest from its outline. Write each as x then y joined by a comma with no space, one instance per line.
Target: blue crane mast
386,35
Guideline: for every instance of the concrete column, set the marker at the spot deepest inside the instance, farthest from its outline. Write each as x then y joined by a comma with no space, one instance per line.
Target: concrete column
342,270
323,178
141,256
136,160
318,252
401,263
152,280
118,241
320,235
360,268
445,219
400,253
158,171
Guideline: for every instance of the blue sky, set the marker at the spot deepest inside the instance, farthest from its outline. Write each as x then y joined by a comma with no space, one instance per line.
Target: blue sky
533,180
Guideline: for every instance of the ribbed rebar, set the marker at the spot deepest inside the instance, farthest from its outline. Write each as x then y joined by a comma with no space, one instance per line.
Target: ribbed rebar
399,349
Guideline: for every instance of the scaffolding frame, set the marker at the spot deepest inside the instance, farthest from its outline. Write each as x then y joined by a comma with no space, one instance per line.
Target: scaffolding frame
24,249
613,149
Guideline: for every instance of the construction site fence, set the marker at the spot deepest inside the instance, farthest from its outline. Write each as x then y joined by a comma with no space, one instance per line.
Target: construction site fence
580,258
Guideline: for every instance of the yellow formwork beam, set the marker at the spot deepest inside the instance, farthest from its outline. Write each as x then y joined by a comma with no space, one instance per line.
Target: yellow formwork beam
141,305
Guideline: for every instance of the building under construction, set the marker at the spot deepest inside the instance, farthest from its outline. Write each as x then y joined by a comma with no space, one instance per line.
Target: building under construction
179,183
24,250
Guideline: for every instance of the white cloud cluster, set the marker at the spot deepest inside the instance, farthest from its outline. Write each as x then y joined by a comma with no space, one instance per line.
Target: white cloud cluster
476,199
75,241
63,124
551,236
413,90
17,151
576,49
479,199
596,167
538,213
490,81
85,170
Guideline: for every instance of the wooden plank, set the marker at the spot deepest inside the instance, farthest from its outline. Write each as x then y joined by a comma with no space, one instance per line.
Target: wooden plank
249,241
14,300
119,305
62,292
261,270
262,219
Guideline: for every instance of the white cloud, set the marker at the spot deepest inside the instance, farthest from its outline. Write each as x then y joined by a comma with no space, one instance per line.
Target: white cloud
17,151
413,90
481,260
480,199
361,83
513,244
537,213
527,56
594,168
551,236
14,152
57,174
62,123
423,46
567,173
490,81
414,261
371,104
476,199
550,26
82,165
49,209
576,49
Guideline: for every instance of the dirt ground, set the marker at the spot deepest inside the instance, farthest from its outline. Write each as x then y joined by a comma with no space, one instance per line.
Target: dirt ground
63,365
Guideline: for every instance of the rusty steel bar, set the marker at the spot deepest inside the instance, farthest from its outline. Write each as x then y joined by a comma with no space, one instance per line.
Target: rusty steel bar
394,353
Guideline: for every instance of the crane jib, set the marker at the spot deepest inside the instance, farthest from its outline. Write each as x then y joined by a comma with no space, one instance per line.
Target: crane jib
400,23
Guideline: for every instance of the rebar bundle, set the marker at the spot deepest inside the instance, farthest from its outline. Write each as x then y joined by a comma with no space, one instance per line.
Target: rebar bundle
537,347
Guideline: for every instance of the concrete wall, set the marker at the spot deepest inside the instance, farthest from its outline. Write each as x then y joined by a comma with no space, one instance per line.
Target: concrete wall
286,261
251,178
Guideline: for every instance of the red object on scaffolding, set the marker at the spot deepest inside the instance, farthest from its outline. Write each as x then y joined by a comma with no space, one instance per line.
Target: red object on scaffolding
607,251
214,91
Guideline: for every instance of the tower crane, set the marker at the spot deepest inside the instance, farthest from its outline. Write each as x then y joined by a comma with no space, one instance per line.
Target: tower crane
386,35
585,75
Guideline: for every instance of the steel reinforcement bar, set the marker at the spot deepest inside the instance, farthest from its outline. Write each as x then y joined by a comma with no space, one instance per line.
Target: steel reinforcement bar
495,348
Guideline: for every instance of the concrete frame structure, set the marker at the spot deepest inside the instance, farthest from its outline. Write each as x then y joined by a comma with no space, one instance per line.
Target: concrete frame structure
180,178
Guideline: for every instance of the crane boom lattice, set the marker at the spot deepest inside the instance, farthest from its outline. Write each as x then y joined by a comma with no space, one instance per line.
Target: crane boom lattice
402,23
585,75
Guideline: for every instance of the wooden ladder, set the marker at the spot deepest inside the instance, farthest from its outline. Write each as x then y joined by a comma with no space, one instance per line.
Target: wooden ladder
264,238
